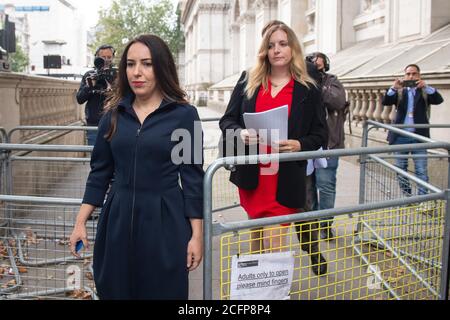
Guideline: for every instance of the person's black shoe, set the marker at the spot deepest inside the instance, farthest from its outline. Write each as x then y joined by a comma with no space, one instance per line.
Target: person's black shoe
318,264
327,234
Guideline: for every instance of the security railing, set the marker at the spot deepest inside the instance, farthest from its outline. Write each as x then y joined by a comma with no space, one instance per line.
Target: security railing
38,207
35,243
384,242
47,131
385,249
3,135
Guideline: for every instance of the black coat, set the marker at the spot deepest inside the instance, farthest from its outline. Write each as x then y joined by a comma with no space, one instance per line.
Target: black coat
143,230
95,100
420,110
306,124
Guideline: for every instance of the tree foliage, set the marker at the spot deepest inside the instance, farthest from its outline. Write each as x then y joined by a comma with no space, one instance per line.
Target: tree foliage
126,19
19,60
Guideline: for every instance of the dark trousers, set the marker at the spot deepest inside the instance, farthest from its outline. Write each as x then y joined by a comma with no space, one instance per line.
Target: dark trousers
307,232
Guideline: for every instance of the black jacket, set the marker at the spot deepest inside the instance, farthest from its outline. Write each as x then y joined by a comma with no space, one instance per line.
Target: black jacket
313,72
95,100
420,110
333,95
306,124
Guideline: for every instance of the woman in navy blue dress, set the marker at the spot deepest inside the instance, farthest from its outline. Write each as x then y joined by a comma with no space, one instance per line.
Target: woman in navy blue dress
149,233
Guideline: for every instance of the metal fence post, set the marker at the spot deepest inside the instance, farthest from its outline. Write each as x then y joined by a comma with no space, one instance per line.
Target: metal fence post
448,170
362,171
445,279
362,164
2,171
8,173
444,287
207,233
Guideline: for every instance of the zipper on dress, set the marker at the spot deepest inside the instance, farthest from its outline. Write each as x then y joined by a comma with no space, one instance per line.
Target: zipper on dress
134,182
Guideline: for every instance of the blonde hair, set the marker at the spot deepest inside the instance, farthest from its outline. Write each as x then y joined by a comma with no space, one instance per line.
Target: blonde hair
259,74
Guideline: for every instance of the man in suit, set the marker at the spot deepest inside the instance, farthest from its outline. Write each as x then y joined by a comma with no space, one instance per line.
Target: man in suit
412,96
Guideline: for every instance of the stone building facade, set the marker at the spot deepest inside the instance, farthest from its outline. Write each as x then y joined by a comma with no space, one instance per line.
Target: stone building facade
369,43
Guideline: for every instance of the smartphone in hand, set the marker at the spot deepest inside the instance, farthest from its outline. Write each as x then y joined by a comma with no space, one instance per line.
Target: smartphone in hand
78,246
409,83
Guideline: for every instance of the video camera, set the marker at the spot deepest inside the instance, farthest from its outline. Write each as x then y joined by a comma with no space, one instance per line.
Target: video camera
310,58
100,73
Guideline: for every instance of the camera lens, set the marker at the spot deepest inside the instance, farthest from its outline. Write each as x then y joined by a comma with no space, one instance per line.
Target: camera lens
99,62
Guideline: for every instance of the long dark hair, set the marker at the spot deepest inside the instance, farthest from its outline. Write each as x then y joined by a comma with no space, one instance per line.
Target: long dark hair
163,68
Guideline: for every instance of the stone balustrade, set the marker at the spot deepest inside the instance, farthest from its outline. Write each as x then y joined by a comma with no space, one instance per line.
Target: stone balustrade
366,94
34,100
365,104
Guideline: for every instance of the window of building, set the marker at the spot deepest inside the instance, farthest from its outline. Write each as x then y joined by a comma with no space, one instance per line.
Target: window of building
310,17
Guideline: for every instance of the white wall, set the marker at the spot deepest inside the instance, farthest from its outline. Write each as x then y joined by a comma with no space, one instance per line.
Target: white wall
61,23
416,18
284,11
410,15
327,26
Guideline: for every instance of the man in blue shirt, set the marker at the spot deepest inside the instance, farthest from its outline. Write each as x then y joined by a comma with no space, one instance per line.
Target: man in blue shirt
412,96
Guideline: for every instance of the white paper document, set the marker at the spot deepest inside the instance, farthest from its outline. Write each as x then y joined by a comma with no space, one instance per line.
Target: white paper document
262,276
271,125
316,164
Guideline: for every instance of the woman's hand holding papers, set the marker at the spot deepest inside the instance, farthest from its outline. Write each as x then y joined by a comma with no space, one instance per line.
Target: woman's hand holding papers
249,137
288,146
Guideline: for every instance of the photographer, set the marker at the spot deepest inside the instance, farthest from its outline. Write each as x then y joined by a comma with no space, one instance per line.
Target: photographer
93,88
412,97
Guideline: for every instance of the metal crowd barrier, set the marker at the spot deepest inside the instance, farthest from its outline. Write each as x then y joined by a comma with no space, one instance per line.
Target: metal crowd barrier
48,130
34,242
414,233
37,173
372,257
3,138
33,238
3,135
390,249
437,159
38,206
56,176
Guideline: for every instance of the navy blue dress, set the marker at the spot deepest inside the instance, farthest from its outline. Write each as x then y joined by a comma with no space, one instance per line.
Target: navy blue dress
143,230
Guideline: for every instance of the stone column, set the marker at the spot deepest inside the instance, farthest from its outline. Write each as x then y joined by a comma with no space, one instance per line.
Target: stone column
371,94
358,108
212,47
385,114
235,48
378,105
364,105
352,100
392,115
247,45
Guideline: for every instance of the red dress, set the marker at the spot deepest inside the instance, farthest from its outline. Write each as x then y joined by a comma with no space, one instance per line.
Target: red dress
261,202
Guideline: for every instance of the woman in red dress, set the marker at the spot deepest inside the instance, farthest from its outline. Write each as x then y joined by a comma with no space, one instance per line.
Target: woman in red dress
279,78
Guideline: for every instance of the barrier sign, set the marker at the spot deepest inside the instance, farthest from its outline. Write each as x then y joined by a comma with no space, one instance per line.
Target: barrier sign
262,276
